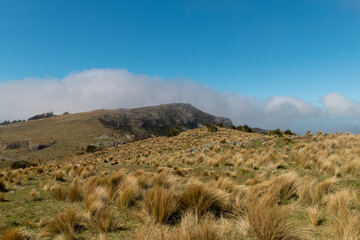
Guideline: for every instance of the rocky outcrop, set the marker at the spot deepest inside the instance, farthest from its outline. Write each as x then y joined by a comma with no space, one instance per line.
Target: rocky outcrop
26,144
155,121
16,145
36,147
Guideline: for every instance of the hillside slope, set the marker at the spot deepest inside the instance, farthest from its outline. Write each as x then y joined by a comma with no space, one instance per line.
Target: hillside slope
222,185
67,135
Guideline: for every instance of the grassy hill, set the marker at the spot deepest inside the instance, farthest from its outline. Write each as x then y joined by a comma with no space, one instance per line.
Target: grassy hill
66,135
197,185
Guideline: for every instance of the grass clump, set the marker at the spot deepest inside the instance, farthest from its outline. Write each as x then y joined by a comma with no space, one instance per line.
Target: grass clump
267,220
202,199
68,224
161,205
12,234
104,221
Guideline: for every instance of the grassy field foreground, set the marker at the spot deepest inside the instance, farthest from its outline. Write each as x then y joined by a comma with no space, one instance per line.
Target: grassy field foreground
198,185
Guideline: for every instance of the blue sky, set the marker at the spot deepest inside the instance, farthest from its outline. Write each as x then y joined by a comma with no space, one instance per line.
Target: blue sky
297,48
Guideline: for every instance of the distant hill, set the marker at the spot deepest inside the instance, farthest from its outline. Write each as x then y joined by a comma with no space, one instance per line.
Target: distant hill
146,121
70,134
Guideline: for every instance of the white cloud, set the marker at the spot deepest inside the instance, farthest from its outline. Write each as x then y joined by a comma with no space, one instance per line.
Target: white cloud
118,88
338,105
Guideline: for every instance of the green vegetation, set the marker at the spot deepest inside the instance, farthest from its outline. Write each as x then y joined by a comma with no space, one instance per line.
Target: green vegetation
91,148
244,128
21,164
212,128
172,132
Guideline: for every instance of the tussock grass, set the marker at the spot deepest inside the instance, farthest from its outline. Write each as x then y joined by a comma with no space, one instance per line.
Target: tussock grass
13,234
104,221
315,216
268,220
203,199
161,205
69,224
34,195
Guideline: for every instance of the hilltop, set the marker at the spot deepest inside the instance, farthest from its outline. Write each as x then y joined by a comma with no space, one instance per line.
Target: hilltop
61,136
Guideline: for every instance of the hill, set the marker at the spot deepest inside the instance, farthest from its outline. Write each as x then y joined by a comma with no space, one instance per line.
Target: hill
197,185
66,135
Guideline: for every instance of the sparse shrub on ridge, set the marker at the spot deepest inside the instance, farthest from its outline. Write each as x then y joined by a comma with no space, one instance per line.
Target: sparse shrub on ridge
172,132
212,128
277,132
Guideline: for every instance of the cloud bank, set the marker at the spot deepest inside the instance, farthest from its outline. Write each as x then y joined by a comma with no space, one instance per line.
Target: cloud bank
117,88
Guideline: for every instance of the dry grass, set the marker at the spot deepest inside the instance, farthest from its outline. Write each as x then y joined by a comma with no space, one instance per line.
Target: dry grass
13,234
268,220
34,195
203,199
161,205
104,221
69,224
261,187
315,216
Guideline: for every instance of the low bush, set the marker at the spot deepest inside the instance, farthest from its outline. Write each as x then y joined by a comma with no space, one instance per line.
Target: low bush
212,128
172,132
21,164
91,149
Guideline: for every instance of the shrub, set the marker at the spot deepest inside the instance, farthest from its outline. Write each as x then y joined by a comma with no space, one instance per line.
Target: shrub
212,128
289,132
91,149
244,128
172,132
21,164
43,115
277,132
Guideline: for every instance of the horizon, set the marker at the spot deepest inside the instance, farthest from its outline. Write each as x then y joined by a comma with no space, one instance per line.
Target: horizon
276,64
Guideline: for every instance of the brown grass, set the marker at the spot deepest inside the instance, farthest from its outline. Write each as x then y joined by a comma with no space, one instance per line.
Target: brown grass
34,195
161,205
315,216
69,224
104,221
59,175
269,221
13,234
203,199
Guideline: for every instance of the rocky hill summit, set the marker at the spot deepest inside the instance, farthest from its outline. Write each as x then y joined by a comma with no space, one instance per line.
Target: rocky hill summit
156,120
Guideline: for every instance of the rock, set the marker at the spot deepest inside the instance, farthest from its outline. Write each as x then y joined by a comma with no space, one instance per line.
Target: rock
236,143
17,145
192,150
206,146
36,147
